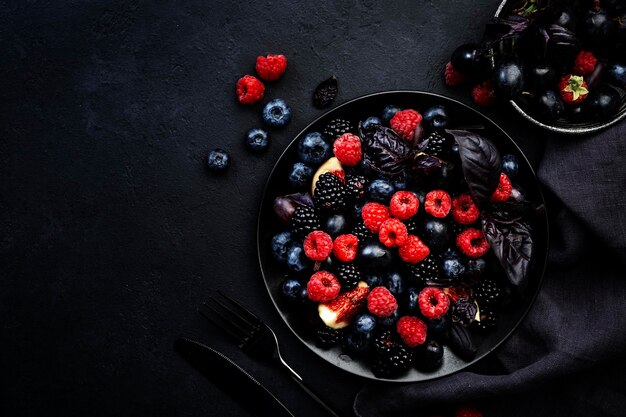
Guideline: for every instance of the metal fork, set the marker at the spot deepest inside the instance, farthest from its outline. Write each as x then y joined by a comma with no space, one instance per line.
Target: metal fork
254,337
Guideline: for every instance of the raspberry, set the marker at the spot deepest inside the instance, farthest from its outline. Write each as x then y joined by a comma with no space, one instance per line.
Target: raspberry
404,123
484,94
437,203
414,250
453,77
381,302
412,330
403,205
345,247
318,245
323,287
347,148
585,63
393,233
249,90
504,190
433,302
467,411
374,214
472,243
464,211
271,67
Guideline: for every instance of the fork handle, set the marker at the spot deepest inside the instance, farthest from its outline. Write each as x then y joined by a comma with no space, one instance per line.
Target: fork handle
314,395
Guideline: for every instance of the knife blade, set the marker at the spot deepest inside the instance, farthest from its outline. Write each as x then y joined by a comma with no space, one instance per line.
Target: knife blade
231,378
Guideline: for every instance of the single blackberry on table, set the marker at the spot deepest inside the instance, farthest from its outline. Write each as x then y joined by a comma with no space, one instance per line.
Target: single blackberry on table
305,221
426,271
356,185
330,194
348,275
487,321
327,337
487,292
392,358
438,145
362,232
336,128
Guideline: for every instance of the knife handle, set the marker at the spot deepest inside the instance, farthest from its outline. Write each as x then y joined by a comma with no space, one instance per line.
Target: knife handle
314,395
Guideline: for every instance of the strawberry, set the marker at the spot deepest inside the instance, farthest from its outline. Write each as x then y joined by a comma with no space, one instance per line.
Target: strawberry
338,313
573,89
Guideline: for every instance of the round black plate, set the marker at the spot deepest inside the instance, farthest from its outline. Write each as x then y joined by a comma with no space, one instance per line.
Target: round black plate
359,109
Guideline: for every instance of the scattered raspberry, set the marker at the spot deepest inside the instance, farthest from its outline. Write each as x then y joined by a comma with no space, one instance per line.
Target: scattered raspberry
437,203
271,67
504,190
249,90
414,250
467,411
403,205
585,63
412,330
347,149
453,77
433,302
393,233
484,94
381,302
404,123
345,247
318,245
472,242
374,214
573,89
323,287
464,211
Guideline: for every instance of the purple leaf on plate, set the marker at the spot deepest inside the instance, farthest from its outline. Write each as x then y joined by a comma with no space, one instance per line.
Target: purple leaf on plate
285,206
385,151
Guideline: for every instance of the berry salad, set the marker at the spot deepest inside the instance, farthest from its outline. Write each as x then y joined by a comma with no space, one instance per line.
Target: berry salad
399,234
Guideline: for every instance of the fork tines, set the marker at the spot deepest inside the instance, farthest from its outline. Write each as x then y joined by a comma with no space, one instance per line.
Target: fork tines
230,316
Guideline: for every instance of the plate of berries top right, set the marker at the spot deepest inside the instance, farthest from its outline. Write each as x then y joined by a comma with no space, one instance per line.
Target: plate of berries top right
561,64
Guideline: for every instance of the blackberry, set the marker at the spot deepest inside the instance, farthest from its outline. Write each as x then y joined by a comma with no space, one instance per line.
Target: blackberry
305,221
349,276
327,337
330,193
356,185
336,128
413,226
392,358
487,292
426,271
362,232
438,145
487,320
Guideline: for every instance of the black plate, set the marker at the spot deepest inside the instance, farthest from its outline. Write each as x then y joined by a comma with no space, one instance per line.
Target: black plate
359,109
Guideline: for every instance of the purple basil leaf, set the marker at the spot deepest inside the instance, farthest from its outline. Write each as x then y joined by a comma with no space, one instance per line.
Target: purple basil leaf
420,138
481,164
424,162
285,205
385,151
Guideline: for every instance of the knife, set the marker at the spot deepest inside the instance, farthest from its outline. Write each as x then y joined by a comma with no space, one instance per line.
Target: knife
231,378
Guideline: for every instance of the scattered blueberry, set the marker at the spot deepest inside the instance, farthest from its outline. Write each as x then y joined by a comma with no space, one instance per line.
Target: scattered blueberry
435,117
357,343
394,283
412,300
300,175
291,289
373,280
381,190
276,113
617,73
436,235
303,294
296,259
476,267
313,149
452,265
429,356
438,328
335,225
510,166
218,160
257,140
374,255
364,324
389,112
401,182
371,122
280,246
391,320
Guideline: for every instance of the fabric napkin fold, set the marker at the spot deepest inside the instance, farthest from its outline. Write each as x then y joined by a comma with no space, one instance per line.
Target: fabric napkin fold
578,322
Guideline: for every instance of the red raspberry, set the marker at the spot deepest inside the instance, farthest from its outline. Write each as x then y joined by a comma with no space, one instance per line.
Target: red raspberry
433,302
437,203
412,330
585,63
345,247
374,214
318,245
504,190
484,94
323,287
467,411
271,68
250,89
347,149
464,211
414,250
381,302
472,242
453,77
403,205
404,123
393,233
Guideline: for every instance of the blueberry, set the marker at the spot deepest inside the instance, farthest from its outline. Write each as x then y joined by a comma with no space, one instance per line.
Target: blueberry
412,300
509,80
452,265
218,160
435,117
364,324
549,106
394,283
363,168
257,140
303,294
280,246
476,267
603,102
389,112
374,255
357,343
357,209
391,320
510,166
468,60
438,328
436,235
276,113
617,73
542,76
335,224
429,356
291,289
296,259
313,149
381,190
373,280
401,182
300,176
371,122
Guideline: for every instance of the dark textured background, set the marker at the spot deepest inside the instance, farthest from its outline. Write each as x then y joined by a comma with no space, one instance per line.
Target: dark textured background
111,229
